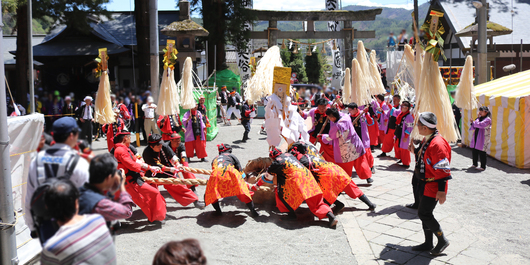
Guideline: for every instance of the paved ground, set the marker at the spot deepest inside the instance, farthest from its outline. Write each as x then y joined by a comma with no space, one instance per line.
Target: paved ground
485,219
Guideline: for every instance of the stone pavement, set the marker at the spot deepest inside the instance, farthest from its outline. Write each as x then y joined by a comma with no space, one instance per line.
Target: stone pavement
484,217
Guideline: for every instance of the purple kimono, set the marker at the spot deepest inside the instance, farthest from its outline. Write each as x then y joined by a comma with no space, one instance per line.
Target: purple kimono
383,120
408,125
363,128
347,145
186,121
310,113
481,134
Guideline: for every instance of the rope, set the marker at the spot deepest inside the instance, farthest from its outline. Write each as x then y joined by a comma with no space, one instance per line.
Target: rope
30,151
176,181
5,226
197,171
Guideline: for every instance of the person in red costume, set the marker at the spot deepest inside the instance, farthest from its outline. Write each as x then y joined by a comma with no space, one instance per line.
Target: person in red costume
147,197
179,149
432,172
169,124
195,135
319,118
111,130
404,126
388,142
360,124
331,178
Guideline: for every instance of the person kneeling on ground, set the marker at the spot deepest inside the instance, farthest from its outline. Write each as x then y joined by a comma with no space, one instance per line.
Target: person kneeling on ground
81,238
158,154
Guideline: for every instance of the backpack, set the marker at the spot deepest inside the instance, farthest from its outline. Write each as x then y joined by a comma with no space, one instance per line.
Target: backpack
44,223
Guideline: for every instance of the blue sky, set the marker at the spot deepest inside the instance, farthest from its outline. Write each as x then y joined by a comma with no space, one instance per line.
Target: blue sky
125,5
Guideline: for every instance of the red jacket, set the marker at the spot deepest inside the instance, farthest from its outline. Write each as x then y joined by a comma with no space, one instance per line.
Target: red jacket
437,159
126,159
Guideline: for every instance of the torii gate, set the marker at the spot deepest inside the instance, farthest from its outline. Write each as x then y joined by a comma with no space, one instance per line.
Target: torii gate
272,33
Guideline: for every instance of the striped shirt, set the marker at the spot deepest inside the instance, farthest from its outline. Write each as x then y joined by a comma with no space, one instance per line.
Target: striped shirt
86,242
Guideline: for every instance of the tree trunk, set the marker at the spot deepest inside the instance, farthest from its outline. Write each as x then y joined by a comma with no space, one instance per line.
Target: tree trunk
21,88
215,23
141,10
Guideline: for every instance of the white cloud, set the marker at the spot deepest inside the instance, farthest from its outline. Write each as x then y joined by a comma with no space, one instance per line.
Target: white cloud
305,5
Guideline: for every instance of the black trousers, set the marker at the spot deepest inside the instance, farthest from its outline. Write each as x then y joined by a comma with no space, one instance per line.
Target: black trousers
425,214
86,131
418,187
140,127
483,158
246,124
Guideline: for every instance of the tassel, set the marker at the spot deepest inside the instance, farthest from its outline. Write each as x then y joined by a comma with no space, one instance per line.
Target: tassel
323,50
376,75
465,91
186,83
346,90
103,105
168,99
334,45
283,44
359,85
295,51
260,84
309,51
362,58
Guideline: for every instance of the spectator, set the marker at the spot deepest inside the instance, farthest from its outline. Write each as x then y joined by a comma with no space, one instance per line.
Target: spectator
65,134
391,41
81,239
85,114
105,179
403,39
140,122
187,251
149,117
68,109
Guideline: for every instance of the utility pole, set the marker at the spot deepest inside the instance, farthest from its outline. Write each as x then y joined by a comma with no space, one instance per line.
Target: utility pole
8,249
481,64
415,16
30,59
153,47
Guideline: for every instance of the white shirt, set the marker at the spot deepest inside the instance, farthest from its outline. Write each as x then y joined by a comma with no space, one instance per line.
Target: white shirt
149,112
79,178
87,115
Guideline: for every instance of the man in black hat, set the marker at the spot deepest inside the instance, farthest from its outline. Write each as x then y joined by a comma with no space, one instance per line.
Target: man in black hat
161,155
57,161
431,175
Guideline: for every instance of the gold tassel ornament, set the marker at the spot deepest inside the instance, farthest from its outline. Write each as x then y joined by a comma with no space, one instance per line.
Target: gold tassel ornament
283,45
295,51
261,84
323,50
309,51
103,105
168,99
465,91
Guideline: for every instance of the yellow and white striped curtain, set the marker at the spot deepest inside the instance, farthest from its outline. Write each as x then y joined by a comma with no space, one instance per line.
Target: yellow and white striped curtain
508,99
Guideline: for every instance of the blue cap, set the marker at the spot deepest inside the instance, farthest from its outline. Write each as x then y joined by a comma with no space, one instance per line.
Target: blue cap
65,125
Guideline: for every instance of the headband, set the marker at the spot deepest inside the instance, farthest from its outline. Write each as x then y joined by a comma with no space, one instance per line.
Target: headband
427,123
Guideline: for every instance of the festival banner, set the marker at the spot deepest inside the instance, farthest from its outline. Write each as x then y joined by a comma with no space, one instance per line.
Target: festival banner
243,56
337,73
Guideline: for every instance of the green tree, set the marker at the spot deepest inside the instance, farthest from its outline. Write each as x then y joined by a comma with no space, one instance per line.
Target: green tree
314,68
224,20
74,13
296,62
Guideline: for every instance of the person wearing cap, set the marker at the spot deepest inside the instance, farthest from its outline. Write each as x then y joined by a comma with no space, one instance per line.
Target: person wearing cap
318,119
404,126
147,197
360,121
389,142
56,161
295,184
234,102
179,149
223,98
430,180
226,181
149,117
195,135
85,114
68,108
159,154
348,149
330,177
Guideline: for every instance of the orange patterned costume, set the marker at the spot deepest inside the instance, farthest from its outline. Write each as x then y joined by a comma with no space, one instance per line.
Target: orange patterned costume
296,185
226,180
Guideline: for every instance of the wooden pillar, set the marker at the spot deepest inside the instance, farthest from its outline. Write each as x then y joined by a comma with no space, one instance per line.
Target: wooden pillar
273,33
348,44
